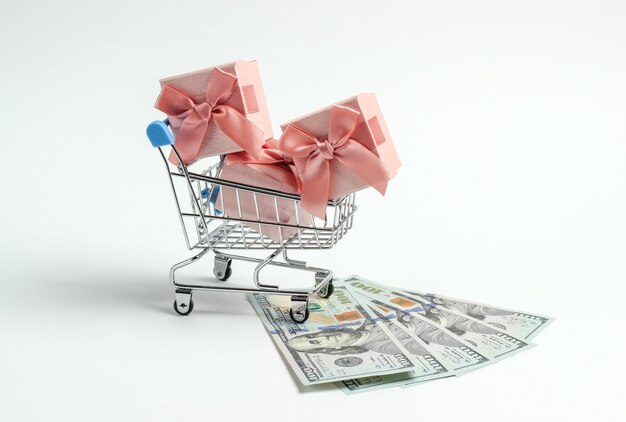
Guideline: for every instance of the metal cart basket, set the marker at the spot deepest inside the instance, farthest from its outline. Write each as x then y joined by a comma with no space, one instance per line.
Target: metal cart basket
207,228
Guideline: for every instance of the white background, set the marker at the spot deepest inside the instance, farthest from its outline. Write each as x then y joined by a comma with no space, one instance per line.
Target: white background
509,118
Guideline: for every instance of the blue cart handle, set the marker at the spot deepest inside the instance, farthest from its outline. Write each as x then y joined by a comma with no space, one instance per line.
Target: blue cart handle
159,134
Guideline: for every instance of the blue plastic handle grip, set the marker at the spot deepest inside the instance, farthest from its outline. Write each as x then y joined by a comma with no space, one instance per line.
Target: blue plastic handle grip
159,134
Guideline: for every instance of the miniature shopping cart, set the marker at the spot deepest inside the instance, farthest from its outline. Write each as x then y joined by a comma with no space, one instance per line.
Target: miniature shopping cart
207,228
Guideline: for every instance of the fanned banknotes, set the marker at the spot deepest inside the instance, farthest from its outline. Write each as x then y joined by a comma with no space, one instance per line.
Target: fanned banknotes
428,367
368,336
485,339
339,341
520,324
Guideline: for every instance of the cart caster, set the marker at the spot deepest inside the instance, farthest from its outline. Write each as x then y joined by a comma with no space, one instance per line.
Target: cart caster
299,311
328,290
221,268
183,308
183,305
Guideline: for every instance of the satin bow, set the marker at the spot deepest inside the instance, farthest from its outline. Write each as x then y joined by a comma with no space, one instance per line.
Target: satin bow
192,119
270,155
312,158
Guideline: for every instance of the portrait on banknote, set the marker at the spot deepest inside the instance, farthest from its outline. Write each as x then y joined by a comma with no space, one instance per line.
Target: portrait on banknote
345,340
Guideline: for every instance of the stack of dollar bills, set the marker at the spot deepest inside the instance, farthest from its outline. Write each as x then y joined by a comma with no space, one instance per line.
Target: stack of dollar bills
368,336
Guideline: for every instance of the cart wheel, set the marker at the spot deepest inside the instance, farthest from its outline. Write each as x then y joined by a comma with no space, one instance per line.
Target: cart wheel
299,311
299,318
225,276
183,309
327,292
221,268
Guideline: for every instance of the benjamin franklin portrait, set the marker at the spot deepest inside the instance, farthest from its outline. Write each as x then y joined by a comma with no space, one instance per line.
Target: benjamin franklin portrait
344,341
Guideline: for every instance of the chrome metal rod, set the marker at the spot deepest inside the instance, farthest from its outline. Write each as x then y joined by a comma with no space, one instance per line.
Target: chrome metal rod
260,287
260,266
182,264
265,223
249,188
190,185
180,214
293,261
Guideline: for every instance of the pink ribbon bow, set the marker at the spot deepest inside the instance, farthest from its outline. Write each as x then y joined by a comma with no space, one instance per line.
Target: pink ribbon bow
192,119
269,156
312,158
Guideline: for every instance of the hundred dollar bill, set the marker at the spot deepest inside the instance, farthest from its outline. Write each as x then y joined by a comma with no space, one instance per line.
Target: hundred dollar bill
454,353
427,368
339,341
485,339
524,325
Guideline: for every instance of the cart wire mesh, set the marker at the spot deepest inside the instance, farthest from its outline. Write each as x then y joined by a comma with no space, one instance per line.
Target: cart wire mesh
206,225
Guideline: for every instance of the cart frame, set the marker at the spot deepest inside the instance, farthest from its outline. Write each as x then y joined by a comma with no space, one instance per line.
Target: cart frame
207,228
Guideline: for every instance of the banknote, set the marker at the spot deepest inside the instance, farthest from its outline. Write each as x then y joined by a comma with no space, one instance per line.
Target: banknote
454,353
485,339
524,325
339,341
427,367
368,336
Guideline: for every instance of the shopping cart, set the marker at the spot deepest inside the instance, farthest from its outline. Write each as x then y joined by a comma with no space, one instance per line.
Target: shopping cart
207,228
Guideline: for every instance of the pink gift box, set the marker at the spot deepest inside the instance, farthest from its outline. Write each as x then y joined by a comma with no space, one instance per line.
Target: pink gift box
371,132
247,98
272,175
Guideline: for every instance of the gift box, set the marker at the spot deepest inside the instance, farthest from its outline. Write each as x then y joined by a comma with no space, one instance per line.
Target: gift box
339,150
270,170
215,111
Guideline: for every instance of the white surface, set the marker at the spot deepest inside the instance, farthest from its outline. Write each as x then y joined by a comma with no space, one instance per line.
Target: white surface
509,117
